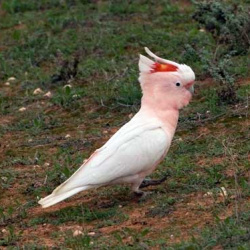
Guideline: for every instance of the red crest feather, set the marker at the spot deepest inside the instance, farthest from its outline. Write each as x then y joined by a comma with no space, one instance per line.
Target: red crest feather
158,67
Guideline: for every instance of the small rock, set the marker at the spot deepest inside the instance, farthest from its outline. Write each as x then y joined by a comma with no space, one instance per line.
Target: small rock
75,96
67,136
30,140
120,206
4,178
36,166
105,132
77,232
67,85
46,164
37,91
22,109
91,233
11,79
201,30
223,192
171,236
7,84
208,194
48,94
4,231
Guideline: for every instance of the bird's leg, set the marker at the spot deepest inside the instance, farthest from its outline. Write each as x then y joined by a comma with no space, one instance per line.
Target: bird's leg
137,191
142,195
149,182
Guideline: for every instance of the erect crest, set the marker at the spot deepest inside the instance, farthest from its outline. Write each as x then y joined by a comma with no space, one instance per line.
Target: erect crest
160,65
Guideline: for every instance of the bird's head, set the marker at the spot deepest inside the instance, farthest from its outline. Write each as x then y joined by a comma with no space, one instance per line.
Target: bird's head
166,82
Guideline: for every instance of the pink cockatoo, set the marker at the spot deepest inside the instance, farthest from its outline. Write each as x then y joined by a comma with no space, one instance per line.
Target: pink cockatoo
136,149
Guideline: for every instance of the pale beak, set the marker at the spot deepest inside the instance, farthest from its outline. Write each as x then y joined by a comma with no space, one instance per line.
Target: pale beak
191,89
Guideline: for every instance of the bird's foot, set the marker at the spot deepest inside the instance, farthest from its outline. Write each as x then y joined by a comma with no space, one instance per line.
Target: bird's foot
149,182
142,195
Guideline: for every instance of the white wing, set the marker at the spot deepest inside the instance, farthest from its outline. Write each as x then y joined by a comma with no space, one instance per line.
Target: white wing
135,148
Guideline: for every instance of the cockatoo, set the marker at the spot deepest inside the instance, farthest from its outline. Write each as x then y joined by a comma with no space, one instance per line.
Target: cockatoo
136,149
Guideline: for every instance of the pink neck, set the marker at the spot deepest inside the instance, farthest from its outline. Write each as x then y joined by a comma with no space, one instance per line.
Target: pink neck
166,114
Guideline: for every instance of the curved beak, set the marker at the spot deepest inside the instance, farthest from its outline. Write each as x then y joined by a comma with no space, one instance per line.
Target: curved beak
190,87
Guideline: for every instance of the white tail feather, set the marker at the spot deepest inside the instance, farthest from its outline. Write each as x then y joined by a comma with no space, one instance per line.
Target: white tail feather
56,197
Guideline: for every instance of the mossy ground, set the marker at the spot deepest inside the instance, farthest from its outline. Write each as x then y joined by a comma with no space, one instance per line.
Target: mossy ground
43,145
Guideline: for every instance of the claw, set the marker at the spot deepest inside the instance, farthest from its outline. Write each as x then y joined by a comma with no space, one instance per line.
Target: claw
147,183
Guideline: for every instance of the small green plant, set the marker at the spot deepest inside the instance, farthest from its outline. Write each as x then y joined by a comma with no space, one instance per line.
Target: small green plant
10,238
163,206
137,239
231,233
68,97
79,242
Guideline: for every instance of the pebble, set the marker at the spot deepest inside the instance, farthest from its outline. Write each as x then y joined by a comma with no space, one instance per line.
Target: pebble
37,91
208,194
223,192
46,164
77,232
48,94
67,136
91,233
22,109
11,79
4,178
7,84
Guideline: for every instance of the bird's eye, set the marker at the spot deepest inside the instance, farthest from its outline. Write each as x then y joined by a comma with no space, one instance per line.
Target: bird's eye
178,84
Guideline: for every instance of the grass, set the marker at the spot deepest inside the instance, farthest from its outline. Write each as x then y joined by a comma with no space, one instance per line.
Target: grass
94,48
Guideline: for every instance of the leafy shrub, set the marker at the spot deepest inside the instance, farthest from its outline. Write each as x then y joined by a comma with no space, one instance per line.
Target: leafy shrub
229,24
